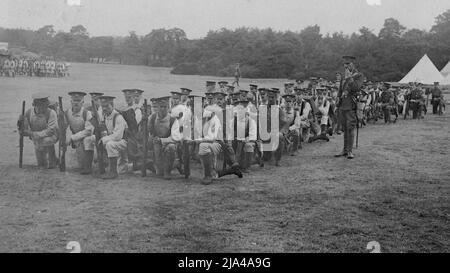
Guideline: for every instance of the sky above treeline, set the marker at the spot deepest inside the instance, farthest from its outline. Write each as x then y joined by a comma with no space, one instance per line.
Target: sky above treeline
197,17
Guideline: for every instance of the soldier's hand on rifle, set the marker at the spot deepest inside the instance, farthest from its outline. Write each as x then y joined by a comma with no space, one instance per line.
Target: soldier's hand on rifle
26,133
156,140
101,141
68,141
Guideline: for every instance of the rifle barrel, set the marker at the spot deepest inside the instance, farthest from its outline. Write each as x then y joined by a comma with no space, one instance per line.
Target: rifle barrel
145,139
21,136
62,137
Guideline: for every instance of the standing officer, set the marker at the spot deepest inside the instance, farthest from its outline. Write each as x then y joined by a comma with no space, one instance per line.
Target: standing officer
436,95
350,87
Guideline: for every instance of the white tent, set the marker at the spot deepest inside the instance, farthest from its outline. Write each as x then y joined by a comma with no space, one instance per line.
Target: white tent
446,80
424,72
446,70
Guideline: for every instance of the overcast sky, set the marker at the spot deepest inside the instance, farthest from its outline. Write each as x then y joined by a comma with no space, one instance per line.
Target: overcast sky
196,17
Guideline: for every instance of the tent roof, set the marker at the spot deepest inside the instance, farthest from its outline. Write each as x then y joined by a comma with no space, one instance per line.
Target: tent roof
446,70
424,72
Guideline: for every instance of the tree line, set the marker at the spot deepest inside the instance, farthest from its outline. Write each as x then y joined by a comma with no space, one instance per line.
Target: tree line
262,53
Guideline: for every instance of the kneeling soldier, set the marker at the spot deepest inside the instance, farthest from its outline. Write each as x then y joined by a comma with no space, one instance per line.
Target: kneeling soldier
78,120
40,124
164,146
290,123
113,135
245,131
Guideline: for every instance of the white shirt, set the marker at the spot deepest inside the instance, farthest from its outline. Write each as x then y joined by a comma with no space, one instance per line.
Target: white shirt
306,111
114,133
241,123
211,129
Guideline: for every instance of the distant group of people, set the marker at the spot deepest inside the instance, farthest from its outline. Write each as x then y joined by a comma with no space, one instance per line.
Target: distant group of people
384,100
12,67
226,137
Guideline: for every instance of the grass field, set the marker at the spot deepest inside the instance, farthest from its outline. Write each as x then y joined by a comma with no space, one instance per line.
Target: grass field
396,192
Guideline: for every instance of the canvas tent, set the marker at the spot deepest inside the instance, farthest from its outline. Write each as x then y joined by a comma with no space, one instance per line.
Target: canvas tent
424,72
446,70
446,80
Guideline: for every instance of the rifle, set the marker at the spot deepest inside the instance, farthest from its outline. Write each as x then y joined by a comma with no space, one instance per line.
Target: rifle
20,125
98,136
145,139
62,138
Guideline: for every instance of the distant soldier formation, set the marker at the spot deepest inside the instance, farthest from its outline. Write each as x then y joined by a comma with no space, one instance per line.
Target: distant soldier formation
165,134
16,66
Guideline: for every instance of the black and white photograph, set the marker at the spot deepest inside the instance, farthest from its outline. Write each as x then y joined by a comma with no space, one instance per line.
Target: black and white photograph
224,126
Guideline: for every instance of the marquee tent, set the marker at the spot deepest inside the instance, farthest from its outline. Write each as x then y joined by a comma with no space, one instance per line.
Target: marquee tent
424,72
446,70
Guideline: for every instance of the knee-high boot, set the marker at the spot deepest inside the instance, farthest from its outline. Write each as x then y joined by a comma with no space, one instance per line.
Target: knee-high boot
350,140
246,162
87,162
41,158
323,135
206,161
51,157
112,174
168,166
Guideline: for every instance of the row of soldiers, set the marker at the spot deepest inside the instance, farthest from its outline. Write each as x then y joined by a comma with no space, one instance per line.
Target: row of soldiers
11,67
383,100
223,111
227,130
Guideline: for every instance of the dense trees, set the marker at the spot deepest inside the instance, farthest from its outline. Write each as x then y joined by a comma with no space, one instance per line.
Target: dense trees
262,53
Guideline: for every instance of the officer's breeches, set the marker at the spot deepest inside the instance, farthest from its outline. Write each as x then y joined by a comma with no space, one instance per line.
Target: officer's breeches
348,121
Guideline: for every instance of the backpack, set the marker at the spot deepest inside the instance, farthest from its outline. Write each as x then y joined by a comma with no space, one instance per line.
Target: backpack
152,121
67,117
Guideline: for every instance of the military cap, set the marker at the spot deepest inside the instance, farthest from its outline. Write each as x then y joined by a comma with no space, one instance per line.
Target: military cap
195,96
243,91
230,87
40,96
288,83
96,94
288,96
253,85
348,58
185,91
275,90
128,91
163,100
176,93
138,91
210,83
243,100
76,95
107,98
223,82
220,93
436,82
